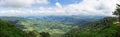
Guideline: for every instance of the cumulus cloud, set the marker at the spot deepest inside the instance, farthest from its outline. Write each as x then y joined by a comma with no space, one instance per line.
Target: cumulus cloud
94,7
41,1
58,5
86,7
21,3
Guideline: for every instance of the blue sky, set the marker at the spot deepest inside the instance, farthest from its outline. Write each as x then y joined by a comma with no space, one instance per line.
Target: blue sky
53,2
64,2
57,7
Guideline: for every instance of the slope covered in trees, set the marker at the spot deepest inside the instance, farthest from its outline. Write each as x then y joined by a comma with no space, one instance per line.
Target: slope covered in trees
8,30
106,27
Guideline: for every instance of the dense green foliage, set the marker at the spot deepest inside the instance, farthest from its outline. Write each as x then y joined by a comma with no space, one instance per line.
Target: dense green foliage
44,34
117,12
101,28
8,30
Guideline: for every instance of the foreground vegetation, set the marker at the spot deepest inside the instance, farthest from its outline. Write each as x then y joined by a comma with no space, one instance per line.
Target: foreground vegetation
106,27
9,30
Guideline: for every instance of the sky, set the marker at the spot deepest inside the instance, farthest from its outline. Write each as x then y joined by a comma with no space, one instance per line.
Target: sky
57,7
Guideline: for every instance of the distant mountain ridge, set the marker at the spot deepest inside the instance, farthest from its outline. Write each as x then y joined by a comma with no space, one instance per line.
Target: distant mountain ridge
75,19
70,19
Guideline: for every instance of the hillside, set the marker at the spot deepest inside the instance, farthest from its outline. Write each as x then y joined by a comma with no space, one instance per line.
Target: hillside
55,26
105,27
43,26
8,30
102,28
25,24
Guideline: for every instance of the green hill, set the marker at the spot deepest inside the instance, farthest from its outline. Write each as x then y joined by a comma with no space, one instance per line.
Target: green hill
105,27
8,30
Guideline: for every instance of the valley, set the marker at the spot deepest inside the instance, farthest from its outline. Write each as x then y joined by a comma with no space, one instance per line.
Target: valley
55,25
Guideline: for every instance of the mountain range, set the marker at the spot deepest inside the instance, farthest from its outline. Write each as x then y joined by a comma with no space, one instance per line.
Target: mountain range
55,25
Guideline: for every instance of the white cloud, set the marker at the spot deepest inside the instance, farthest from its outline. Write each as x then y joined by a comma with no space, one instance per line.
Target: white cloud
86,7
93,7
58,5
21,3
42,1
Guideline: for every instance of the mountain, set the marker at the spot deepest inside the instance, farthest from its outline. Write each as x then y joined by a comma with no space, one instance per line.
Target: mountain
75,19
27,25
106,27
55,25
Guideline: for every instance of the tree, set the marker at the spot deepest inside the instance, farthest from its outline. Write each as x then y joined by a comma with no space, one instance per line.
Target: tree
117,12
45,34
33,34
